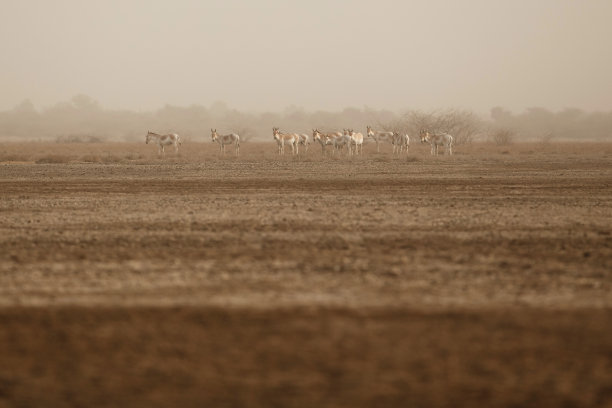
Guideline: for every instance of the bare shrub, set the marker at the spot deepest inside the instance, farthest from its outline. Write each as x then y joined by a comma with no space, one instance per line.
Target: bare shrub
503,137
546,137
245,133
464,126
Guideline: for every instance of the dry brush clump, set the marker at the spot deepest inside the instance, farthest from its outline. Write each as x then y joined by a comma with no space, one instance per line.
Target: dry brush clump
464,126
503,137
546,137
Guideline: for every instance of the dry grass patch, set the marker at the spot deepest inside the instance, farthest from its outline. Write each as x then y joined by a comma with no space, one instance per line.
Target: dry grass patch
263,152
54,159
14,157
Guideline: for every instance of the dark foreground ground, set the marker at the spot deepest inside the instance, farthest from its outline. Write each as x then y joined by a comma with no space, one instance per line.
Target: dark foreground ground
478,280
202,356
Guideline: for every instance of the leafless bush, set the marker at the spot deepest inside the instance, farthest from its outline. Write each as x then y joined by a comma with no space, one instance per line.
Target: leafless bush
397,125
464,126
245,133
546,137
503,137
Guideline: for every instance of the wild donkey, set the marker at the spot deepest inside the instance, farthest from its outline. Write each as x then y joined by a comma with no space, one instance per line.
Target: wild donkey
379,136
356,141
401,142
285,138
164,140
321,138
339,141
304,140
223,140
436,140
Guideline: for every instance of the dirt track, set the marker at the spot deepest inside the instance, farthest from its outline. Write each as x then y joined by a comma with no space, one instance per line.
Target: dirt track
480,279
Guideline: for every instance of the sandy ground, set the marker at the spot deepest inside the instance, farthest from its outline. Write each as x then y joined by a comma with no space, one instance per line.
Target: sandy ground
196,280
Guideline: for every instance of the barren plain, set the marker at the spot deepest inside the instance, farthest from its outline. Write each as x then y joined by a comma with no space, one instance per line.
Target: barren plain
480,279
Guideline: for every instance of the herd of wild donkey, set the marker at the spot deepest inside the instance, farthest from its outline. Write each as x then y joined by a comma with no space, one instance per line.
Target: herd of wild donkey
353,141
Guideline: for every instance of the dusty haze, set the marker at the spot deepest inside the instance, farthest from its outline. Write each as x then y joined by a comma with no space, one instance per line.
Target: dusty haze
267,55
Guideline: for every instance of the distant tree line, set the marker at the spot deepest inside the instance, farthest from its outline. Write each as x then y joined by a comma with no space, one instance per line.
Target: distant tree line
83,120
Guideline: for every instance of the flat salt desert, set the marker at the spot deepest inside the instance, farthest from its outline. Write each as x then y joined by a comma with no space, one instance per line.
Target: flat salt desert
197,280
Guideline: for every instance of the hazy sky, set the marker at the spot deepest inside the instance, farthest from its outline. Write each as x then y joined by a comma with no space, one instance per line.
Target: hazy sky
316,54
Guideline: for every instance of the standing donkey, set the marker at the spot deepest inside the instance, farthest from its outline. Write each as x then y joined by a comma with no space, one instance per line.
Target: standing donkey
282,139
436,140
356,141
164,140
401,143
379,136
304,140
223,140
322,138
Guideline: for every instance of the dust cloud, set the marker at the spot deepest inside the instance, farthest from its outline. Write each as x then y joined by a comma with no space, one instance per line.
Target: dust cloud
316,55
